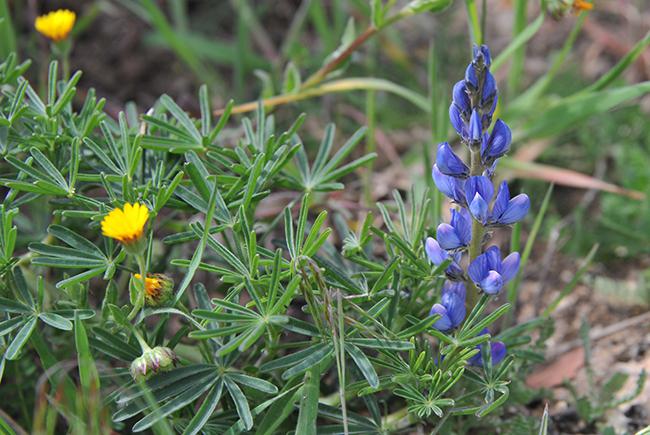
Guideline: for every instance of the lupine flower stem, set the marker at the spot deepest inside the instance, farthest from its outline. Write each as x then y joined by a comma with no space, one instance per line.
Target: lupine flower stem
476,168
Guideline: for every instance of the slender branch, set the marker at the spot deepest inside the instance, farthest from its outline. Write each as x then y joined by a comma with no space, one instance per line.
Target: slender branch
333,64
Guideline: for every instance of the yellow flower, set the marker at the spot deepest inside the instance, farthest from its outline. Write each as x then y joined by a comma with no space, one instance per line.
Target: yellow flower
157,288
126,225
582,5
56,25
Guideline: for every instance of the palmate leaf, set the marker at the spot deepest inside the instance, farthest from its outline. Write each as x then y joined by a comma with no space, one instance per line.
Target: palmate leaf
180,387
82,254
324,174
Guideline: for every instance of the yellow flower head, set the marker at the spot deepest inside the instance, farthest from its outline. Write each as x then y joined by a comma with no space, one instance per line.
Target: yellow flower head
582,5
56,25
126,225
158,288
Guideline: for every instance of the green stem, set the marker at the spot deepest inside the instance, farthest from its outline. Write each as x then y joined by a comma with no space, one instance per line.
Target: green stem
139,303
476,168
370,147
398,420
144,346
474,23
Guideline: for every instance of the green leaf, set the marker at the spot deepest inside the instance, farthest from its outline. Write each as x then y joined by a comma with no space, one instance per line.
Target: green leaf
364,365
278,413
175,404
56,321
181,117
255,383
11,306
88,375
375,343
198,253
569,111
6,326
309,403
312,360
205,411
243,410
20,339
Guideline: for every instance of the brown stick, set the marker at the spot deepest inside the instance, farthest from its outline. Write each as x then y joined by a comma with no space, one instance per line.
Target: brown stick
319,75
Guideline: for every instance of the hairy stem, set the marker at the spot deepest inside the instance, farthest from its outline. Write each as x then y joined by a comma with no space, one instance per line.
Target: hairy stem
476,168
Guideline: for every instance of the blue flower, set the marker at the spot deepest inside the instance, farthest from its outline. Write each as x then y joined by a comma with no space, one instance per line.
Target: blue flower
507,211
456,234
449,163
458,120
497,143
452,187
437,256
478,194
451,307
461,98
497,351
471,78
490,273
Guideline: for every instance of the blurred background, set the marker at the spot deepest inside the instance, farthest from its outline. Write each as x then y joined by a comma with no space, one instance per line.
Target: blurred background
575,92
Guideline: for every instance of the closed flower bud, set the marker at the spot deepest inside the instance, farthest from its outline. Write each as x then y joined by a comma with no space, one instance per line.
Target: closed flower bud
158,289
475,132
152,361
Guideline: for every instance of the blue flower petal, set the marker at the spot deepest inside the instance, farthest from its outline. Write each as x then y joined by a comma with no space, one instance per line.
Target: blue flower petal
444,322
492,283
447,237
510,266
498,142
478,269
460,97
501,202
436,254
475,127
471,79
449,163
455,308
498,350
517,209
481,185
462,222
457,121
452,187
479,208
493,258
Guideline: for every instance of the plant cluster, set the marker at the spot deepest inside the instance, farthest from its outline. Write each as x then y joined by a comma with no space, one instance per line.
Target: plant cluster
173,273
267,311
